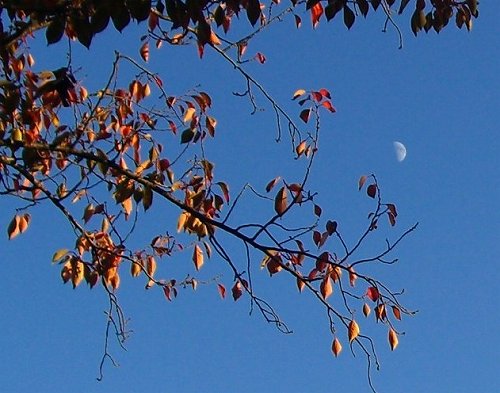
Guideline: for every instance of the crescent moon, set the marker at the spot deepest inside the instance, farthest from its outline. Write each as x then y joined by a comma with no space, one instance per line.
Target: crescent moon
400,150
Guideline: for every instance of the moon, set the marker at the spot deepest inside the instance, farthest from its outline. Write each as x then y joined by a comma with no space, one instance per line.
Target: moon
400,150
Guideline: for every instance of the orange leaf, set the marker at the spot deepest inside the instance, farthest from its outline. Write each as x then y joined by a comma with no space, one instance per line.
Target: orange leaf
151,266
198,257
280,202
353,331
328,105
274,265
393,339
380,313
325,287
336,347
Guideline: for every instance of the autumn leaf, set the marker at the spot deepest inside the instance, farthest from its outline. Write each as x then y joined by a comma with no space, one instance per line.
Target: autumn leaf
326,288
274,264
272,183
298,93
300,284
222,290
328,105
280,201
59,254
189,114
393,339
336,347
236,290
197,257
13,228
366,310
373,293
316,12
371,191
353,331
361,182
301,148
397,312
144,51
305,114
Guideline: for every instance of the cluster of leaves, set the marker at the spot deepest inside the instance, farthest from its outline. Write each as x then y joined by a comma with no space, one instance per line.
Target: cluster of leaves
101,156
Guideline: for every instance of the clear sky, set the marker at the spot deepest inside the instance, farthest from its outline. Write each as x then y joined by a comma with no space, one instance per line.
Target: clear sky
439,95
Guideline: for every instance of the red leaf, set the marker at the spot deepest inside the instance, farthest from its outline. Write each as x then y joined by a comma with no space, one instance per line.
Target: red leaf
304,115
328,105
325,93
260,58
322,261
225,190
316,12
237,291
373,293
316,95
222,290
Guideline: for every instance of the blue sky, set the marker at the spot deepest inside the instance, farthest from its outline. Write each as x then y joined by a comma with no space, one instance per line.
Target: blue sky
439,96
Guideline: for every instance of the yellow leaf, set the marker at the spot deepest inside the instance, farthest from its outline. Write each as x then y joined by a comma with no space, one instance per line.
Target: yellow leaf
59,254
188,116
127,206
136,268
280,202
393,339
336,347
298,93
198,257
353,331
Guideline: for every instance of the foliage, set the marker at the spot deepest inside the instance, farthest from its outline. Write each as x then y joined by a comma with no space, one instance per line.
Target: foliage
102,155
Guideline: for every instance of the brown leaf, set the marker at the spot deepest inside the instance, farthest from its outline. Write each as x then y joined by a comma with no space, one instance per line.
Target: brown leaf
353,331
13,228
371,191
326,288
274,265
397,312
366,310
336,347
272,183
300,284
305,114
301,148
380,313
237,290
331,227
151,265
222,290
280,202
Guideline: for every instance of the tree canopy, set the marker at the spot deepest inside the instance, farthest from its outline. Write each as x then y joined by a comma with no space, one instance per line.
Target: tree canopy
103,159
